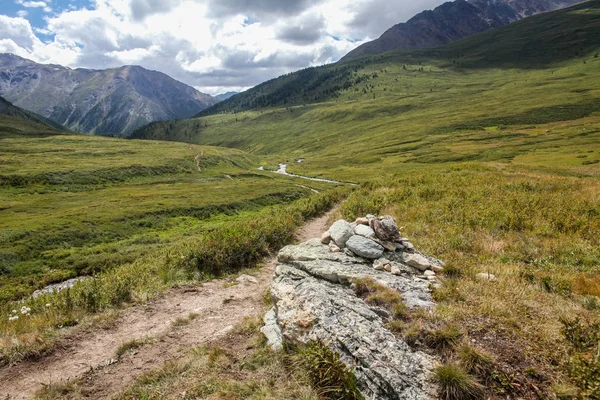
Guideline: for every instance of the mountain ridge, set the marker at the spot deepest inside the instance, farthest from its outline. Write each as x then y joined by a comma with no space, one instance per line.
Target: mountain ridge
453,21
116,100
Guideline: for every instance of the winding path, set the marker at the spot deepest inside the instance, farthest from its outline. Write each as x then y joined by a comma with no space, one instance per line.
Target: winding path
90,355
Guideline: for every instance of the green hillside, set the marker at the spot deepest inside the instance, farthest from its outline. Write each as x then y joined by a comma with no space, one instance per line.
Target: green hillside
538,41
16,121
424,106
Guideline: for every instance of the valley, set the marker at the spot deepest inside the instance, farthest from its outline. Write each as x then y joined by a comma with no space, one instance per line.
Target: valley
485,151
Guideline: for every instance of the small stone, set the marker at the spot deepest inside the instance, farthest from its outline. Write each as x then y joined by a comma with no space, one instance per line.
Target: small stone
485,276
365,231
387,267
429,273
380,263
362,221
325,238
334,248
395,270
437,268
431,278
364,247
246,279
417,261
389,246
408,245
340,232
385,228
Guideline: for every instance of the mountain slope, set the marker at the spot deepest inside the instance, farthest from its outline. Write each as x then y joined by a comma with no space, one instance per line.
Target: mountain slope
225,96
98,101
454,21
15,120
535,42
537,70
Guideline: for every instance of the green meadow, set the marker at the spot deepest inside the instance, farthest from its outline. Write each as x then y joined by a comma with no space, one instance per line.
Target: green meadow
79,205
486,151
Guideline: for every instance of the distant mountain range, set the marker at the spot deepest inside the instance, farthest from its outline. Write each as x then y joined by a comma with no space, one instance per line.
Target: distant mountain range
98,101
225,96
453,21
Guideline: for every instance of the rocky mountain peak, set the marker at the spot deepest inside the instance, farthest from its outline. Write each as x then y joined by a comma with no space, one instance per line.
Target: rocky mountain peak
453,21
117,100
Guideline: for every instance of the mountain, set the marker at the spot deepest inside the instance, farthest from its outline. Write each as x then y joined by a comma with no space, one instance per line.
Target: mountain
549,37
98,101
454,21
422,90
16,121
225,96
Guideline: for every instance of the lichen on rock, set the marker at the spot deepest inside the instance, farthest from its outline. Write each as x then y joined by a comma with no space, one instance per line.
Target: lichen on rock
313,300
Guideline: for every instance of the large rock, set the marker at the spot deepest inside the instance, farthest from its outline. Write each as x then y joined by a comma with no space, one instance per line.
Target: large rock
385,228
364,247
313,300
340,232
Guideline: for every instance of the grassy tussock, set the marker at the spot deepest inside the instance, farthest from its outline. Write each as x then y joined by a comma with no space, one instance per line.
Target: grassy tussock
381,296
456,384
329,375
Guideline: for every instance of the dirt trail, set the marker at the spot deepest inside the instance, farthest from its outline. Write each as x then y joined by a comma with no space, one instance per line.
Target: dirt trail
91,355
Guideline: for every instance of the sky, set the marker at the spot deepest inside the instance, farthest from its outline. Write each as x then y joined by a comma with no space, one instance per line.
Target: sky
213,45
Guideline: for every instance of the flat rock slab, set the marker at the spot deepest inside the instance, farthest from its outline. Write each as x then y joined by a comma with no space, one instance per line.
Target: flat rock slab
313,300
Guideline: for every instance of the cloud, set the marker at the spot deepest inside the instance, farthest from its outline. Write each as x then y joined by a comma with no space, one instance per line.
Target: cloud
140,9
259,8
22,13
304,30
32,4
214,45
373,17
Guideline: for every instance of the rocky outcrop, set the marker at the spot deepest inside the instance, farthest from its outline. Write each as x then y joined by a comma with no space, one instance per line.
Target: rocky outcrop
314,300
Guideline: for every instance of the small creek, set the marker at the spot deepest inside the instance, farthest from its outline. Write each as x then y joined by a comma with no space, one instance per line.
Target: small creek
283,171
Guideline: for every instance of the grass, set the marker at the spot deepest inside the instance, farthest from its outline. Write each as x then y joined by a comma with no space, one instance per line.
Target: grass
456,384
128,346
378,295
331,377
76,205
136,218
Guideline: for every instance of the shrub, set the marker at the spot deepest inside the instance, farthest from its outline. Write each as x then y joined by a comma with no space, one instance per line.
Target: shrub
582,335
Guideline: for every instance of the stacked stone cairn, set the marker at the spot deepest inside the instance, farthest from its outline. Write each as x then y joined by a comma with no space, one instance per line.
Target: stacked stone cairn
370,237
314,300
